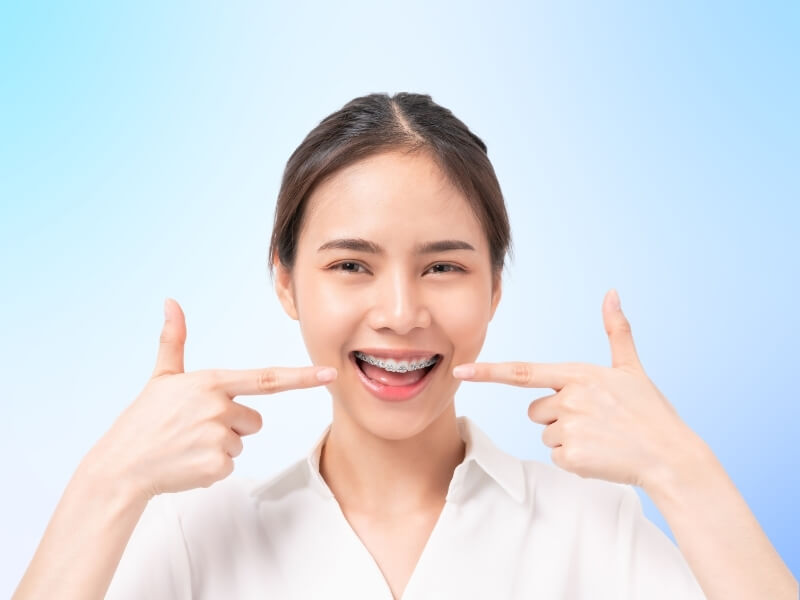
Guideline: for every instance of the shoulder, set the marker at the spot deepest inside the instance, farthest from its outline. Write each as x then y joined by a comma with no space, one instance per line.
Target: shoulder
600,525
237,499
552,480
223,495
556,492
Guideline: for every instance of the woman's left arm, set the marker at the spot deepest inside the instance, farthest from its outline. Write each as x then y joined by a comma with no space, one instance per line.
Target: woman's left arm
723,543
615,424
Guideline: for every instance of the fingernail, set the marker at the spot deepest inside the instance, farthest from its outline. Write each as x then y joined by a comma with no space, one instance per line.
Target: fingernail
326,374
463,371
166,310
615,303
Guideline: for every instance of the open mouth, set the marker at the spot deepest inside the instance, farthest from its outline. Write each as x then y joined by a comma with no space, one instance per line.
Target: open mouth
388,385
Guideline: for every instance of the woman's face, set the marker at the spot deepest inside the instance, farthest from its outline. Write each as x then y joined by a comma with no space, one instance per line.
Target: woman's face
351,299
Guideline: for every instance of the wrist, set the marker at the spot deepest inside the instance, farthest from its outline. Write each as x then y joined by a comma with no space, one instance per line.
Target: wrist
687,464
104,475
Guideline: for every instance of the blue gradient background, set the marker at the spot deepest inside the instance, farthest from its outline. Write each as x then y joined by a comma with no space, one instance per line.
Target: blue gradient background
649,148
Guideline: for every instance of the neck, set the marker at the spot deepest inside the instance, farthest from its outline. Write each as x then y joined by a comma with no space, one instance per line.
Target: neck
371,474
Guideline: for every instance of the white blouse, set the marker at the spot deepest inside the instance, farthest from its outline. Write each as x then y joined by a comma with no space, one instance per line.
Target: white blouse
509,528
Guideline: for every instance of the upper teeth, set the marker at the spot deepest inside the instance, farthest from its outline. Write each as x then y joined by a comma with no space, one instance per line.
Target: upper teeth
399,366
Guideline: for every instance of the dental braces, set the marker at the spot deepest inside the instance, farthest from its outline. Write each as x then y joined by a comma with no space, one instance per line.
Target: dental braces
394,367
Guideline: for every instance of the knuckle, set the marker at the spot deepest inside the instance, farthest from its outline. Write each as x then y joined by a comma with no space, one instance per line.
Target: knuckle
227,466
218,465
221,406
546,437
571,402
210,469
217,433
204,379
212,379
258,420
609,401
237,445
570,428
581,373
212,411
572,456
246,420
521,372
556,455
267,380
167,336
170,337
223,434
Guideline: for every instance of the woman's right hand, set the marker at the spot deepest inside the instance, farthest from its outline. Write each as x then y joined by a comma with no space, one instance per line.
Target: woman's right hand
184,429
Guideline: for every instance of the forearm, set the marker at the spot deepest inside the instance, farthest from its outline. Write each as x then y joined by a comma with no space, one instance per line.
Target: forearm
85,538
723,543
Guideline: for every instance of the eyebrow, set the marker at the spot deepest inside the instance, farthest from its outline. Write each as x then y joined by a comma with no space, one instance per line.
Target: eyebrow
362,245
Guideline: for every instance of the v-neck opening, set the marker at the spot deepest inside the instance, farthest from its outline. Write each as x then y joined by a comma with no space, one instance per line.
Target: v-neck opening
431,539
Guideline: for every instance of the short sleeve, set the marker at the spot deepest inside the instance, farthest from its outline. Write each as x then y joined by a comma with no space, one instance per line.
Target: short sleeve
651,565
155,563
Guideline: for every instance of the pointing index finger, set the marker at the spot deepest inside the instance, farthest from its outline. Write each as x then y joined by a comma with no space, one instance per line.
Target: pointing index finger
524,374
270,380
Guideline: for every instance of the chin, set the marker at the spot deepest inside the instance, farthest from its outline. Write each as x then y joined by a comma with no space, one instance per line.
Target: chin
389,422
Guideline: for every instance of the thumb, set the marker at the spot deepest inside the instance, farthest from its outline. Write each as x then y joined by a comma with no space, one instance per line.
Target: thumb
173,337
618,328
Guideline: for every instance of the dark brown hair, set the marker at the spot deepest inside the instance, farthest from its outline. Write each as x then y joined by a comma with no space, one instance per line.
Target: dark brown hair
379,123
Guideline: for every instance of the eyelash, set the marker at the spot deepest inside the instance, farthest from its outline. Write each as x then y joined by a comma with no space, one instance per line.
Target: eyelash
352,262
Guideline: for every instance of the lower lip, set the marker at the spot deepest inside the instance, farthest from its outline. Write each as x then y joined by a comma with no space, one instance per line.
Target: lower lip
393,393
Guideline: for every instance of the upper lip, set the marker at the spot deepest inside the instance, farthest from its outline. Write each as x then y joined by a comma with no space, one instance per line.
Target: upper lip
397,353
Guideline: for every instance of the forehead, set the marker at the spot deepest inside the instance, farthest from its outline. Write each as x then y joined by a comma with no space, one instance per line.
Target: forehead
396,197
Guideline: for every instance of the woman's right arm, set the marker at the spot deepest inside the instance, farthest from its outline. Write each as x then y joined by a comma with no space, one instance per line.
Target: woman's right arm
182,432
86,536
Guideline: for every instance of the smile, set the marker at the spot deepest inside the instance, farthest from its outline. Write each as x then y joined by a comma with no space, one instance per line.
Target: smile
390,380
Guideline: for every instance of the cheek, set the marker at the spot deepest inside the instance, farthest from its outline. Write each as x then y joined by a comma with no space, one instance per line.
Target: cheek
464,320
327,318
319,297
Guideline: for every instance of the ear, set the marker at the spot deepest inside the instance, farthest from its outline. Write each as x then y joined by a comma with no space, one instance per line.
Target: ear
496,293
284,287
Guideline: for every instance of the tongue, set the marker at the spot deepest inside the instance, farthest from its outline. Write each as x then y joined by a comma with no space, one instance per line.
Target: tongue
389,378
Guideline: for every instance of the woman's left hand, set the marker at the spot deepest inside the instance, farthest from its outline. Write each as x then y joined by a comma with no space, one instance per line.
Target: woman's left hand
607,423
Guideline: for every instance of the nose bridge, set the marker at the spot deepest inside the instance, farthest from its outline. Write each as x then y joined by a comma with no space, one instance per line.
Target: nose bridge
400,303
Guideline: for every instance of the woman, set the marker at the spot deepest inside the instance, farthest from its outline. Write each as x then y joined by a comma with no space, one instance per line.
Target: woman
388,247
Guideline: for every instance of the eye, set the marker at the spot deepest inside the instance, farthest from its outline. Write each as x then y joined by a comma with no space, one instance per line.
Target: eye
452,267
355,266
337,267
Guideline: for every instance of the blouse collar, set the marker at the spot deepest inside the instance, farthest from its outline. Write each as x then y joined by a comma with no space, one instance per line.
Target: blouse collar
502,468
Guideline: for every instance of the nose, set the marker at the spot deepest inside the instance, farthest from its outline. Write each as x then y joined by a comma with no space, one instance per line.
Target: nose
399,304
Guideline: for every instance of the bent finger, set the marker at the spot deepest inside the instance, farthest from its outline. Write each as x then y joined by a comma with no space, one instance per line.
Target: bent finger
544,410
244,420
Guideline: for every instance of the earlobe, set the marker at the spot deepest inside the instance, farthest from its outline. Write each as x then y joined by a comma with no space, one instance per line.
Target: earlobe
284,288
